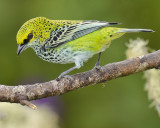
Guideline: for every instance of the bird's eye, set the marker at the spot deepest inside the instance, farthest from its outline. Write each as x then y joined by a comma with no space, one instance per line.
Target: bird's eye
30,36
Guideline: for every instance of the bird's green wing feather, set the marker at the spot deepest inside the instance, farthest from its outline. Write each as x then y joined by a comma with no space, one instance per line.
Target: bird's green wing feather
65,34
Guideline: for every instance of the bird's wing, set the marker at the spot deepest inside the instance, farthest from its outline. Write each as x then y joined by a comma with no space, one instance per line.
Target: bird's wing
65,34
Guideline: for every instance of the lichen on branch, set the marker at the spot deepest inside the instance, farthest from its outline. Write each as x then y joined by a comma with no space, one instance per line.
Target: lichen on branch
139,47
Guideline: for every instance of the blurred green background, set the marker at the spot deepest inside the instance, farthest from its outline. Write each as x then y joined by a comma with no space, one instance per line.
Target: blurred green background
122,103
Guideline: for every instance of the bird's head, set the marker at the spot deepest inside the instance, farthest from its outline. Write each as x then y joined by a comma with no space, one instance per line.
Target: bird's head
34,31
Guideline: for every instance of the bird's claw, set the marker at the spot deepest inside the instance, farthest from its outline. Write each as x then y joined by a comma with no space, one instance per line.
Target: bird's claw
65,76
98,68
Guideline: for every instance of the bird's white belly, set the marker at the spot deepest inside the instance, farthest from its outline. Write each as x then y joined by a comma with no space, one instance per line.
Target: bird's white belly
66,56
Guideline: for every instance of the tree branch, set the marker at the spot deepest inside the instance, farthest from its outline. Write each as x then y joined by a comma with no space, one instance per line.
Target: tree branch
24,93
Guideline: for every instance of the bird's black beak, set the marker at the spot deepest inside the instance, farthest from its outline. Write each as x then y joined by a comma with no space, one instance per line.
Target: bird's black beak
21,47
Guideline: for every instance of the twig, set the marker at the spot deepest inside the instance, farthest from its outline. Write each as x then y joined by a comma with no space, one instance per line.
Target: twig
29,104
24,93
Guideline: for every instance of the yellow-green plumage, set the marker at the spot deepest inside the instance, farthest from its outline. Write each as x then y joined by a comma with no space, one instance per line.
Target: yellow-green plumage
95,41
67,41
41,27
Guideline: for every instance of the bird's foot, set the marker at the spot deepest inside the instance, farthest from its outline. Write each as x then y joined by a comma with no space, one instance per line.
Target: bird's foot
98,68
63,76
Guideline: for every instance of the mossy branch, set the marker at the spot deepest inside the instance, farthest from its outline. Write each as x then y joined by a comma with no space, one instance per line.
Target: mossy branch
24,93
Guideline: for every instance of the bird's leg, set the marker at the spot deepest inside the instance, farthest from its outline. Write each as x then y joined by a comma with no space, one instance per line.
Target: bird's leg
77,66
66,72
97,65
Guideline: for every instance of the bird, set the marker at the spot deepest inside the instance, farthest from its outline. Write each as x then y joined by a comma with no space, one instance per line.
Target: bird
69,41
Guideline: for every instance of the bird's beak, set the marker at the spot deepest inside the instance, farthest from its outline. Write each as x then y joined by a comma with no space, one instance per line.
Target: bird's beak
21,47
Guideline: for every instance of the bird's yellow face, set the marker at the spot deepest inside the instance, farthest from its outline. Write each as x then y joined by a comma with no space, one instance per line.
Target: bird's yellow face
26,33
35,29
24,37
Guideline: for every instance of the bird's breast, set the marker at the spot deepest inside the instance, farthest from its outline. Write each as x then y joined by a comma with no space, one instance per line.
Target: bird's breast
62,55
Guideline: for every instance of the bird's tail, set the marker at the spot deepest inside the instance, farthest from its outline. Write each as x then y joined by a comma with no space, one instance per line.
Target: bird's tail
134,30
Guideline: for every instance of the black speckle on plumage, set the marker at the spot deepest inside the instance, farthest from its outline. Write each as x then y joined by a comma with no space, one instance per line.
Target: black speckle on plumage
60,33
57,35
54,38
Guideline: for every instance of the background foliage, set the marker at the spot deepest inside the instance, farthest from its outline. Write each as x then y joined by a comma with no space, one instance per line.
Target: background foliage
122,102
